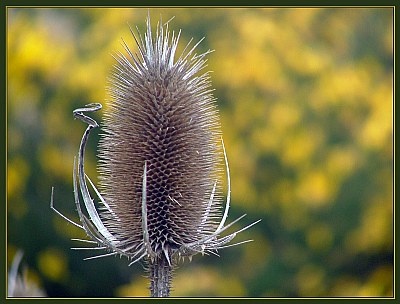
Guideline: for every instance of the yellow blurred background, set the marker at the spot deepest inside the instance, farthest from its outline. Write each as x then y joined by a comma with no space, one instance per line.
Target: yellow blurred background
306,103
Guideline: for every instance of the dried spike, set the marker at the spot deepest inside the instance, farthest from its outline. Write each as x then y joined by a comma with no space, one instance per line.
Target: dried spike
101,256
87,248
235,244
59,213
84,241
138,259
228,198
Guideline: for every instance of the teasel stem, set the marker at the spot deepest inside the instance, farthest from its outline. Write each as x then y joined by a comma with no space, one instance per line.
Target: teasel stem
160,277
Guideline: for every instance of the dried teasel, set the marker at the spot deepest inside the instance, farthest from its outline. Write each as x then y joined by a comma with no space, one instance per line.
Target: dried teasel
18,284
161,158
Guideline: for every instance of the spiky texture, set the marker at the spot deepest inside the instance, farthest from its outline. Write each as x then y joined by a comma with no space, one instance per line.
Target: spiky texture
160,154
162,113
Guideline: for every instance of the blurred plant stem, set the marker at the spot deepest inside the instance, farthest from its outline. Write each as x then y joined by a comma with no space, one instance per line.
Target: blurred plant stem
160,277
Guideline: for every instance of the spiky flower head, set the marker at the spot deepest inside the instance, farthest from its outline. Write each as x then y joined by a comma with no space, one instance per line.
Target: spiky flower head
161,155
162,113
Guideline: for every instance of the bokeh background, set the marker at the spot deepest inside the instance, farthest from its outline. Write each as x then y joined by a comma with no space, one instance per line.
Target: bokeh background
306,104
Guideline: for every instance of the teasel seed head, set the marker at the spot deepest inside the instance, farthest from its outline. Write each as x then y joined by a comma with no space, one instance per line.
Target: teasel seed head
162,113
161,159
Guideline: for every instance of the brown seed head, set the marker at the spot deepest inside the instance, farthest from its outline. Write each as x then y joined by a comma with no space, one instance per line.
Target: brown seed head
161,112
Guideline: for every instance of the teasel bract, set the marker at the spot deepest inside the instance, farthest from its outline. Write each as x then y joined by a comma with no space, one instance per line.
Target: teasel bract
161,159
19,286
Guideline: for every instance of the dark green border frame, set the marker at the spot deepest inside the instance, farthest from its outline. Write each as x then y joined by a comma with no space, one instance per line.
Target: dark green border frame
159,3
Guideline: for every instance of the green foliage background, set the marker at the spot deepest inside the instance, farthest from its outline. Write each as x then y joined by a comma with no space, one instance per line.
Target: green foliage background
306,103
